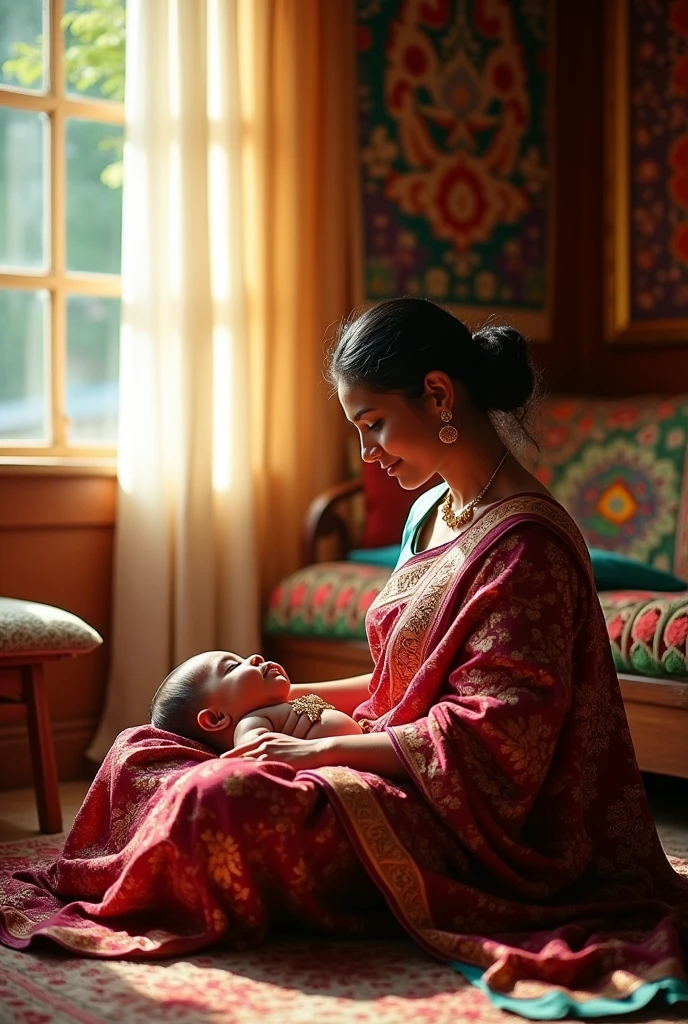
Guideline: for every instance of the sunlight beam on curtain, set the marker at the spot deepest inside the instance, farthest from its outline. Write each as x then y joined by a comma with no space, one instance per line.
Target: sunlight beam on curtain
238,219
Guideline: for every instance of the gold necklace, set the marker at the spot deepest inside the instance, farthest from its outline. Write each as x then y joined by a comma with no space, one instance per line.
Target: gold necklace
456,519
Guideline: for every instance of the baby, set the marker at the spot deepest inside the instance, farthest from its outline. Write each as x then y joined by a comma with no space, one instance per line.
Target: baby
222,700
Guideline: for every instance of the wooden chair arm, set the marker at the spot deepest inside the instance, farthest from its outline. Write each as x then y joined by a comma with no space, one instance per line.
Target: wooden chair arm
323,520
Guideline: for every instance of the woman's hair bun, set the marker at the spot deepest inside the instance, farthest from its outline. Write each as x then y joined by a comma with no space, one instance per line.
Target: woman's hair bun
504,378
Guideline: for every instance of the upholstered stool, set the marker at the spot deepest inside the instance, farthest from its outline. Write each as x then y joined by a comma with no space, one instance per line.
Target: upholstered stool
30,635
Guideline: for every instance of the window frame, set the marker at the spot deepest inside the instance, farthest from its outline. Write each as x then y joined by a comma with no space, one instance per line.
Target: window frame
57,281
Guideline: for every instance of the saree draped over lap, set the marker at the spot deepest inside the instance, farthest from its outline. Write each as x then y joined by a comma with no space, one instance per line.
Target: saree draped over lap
522,844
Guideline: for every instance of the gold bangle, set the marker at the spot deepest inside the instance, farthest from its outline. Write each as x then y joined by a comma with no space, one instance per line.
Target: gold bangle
311,705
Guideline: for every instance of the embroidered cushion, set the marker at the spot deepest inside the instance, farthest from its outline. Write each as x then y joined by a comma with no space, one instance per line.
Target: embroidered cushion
648,631
328,599
28,628
619,467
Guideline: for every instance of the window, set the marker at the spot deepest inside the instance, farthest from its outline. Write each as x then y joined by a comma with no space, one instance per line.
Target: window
61,141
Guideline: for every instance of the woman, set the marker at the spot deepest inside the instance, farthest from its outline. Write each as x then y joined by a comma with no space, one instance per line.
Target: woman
493,803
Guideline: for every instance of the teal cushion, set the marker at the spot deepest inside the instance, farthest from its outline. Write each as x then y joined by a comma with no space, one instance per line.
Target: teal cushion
376,556
613,571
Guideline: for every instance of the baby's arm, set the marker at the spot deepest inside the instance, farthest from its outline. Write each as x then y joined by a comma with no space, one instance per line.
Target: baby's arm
251,726
268,719
282,719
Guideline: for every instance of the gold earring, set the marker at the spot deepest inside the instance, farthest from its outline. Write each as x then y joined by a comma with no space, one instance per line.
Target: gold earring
447,434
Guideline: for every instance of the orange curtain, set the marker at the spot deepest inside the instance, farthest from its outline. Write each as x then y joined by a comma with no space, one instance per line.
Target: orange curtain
307,257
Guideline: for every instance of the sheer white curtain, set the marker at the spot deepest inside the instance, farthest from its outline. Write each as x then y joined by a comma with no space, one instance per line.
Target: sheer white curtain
240,250
186,566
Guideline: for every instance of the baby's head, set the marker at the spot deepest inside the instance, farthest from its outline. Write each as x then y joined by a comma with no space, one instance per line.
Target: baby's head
204,697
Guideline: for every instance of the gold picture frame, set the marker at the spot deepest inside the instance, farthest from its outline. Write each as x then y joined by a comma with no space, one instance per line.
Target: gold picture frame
620,327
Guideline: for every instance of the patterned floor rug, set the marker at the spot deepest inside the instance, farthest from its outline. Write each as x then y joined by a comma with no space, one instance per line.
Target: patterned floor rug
288,980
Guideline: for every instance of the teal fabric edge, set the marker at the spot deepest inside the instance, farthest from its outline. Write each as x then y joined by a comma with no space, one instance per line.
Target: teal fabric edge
612,571
555,1005
387,557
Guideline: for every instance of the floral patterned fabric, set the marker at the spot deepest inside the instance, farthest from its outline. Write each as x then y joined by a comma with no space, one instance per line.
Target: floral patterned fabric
30,628
619,468
175,849
508,847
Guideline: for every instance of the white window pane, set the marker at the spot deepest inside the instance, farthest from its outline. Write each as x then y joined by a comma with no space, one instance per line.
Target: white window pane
94,48
94,197
92,368
23,202
23,371
23,50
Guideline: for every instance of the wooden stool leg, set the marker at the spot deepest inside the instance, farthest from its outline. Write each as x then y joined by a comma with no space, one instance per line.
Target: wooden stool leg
42,751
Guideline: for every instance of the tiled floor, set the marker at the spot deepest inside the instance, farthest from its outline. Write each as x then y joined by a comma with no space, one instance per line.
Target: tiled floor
668,797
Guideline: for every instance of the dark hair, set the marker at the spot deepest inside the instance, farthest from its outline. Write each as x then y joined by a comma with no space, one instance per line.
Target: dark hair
393,345
176,703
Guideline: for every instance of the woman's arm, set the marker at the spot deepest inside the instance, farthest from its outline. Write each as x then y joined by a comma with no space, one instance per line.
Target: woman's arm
370,752
345,694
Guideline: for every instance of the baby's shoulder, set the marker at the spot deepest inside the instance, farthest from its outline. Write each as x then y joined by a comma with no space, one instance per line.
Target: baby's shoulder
276,714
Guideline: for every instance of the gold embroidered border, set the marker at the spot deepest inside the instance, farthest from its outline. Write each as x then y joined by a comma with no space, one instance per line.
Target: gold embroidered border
396,867
414,752
405,579
544,507
402,581
409,637
91,938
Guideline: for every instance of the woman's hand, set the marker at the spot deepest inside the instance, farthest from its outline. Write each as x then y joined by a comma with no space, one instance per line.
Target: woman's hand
275,746
367,752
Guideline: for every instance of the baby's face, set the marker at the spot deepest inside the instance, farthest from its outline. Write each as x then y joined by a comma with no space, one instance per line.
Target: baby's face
234,686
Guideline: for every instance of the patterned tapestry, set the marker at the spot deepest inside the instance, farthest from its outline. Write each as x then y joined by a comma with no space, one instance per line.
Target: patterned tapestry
658,155
454,152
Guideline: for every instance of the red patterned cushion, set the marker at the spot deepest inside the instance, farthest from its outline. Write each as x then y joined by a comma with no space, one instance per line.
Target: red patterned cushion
328,599
648,632
619,467
386,506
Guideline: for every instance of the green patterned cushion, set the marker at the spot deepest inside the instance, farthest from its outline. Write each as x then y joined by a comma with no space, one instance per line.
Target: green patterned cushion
648,632
618,466
329,599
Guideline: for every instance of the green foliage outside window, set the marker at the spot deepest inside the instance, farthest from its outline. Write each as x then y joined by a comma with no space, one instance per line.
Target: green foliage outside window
94,63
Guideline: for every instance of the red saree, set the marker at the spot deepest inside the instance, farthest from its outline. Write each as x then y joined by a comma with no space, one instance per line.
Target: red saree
522,844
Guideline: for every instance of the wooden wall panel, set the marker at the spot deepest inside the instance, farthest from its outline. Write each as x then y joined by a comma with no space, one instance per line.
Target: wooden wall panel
56,546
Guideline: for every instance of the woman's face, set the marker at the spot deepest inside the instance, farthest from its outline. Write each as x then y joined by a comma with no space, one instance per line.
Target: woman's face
399,433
